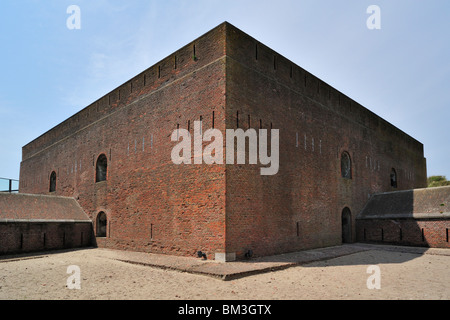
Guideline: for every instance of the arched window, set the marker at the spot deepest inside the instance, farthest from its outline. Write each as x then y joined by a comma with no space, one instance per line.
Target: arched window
52,182
101,224
393,178
101,168
346,166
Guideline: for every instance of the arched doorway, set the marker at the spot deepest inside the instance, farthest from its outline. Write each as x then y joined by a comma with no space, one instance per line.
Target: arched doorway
101,224
346,226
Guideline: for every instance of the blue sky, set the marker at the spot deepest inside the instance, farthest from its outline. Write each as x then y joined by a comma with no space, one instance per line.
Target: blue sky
49,72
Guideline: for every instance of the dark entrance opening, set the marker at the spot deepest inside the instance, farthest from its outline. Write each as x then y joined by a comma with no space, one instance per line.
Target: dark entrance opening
101,224
346,226
52,182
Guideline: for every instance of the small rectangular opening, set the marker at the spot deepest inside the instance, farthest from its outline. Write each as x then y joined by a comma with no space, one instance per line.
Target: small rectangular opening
237,119
401,234
145,78
175,62
256,51
151,230
298,229
446,235
21,241
159,72
45,238
423,235
382,234
249,123
213,119
291,73
274,62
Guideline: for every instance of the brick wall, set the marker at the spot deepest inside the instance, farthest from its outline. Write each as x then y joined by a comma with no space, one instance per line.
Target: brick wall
28,236
412,232
153,205
301,206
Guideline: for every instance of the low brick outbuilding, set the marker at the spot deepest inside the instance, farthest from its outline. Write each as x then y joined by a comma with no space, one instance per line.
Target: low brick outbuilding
30,223
418,217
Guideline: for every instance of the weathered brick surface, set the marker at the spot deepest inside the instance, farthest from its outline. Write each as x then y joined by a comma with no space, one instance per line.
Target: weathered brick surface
301,206
39,222
154,205
29,236
151,203
413,217
412,232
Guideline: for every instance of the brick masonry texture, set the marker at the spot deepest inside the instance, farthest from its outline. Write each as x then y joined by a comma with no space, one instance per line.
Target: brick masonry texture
31,223
226,79
413,217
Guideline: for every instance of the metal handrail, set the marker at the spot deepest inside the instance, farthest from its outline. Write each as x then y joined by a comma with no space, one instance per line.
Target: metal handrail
10,183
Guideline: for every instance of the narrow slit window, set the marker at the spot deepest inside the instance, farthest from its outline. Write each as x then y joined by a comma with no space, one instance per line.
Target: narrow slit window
237,119
213,119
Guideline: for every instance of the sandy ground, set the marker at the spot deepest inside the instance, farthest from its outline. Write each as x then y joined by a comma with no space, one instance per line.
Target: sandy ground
402,276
